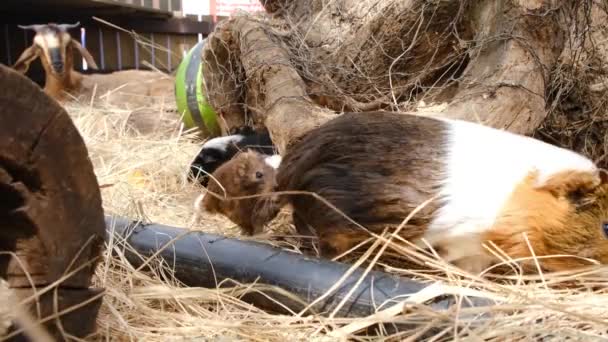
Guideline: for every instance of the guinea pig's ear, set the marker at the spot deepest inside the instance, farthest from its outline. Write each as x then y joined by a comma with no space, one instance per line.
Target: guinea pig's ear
603,176
575,184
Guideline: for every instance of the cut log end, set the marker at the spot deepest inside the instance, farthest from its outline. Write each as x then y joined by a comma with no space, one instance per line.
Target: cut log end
51,218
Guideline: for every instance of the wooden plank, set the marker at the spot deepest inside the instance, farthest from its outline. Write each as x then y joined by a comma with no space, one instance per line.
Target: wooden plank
136,49
117,42
145,51
176,50
102,50
110,52
191,40
160,51
127,48
92,43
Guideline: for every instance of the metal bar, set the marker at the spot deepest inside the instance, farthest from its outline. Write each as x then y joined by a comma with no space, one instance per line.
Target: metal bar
153,59
118,50
83,42
169,52
102,59
136,53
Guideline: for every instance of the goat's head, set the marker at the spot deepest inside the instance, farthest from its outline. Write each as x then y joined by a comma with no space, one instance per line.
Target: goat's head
54,45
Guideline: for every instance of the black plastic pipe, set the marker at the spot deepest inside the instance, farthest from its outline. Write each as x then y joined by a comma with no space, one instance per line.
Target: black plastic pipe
200,259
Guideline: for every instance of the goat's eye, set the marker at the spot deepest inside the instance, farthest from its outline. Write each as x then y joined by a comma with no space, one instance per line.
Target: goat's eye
259,175
605,228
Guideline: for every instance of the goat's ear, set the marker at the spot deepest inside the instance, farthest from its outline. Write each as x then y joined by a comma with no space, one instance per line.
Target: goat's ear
23,63
85,53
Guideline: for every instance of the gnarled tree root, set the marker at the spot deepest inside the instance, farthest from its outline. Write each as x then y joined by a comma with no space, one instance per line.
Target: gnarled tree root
487,61
51,218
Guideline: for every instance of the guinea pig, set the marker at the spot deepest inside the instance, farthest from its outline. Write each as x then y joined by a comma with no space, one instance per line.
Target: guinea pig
484,185
248,173
219,150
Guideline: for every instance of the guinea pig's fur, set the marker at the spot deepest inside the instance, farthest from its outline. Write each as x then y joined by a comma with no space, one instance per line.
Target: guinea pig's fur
488,184
248,173
217,151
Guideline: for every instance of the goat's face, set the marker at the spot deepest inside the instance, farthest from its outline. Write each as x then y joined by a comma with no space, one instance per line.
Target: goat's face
54,45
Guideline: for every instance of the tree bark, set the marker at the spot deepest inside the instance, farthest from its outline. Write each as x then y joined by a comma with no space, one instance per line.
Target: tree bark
51,218
504,85
487,61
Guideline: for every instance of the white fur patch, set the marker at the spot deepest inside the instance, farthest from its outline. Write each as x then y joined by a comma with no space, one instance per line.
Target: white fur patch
483,166
39,41
274,161
221,143
52,41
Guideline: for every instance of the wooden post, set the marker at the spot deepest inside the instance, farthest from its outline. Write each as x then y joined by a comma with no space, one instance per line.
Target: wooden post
51,217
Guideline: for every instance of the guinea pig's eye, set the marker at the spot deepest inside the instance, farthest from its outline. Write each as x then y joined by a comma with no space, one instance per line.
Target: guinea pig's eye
605,228
259,175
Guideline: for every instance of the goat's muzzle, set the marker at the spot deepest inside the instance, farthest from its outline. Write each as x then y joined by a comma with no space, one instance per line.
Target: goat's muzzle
56,60
58,67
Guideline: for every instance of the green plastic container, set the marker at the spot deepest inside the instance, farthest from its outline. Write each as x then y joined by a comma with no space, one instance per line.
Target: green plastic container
190,94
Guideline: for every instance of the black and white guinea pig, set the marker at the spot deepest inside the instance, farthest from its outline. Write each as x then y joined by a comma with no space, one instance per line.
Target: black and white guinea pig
217,151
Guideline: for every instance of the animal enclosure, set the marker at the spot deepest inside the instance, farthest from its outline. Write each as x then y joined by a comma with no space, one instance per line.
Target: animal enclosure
119,35
289,69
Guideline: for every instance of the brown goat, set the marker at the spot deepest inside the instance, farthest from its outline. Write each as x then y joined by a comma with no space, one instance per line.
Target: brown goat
54,46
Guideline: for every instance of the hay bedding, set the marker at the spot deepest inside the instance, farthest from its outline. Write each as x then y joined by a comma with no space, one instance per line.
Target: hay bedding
142,174
142,177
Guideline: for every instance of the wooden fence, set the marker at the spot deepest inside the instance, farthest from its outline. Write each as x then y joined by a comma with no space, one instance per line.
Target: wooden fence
129,41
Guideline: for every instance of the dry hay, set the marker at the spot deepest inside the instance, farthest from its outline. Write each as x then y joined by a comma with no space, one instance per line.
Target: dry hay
142,177
153,306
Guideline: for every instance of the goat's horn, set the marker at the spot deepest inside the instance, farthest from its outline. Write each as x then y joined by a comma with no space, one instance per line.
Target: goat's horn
69,26
30,27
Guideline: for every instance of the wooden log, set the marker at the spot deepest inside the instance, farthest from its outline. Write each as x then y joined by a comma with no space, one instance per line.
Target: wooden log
78,309
51,218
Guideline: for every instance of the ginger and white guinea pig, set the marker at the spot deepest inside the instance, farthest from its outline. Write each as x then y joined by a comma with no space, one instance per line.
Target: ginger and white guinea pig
247,173
219,150
489,185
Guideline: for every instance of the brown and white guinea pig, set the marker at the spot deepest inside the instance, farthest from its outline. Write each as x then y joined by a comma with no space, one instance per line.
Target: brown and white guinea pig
247,173
490,185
